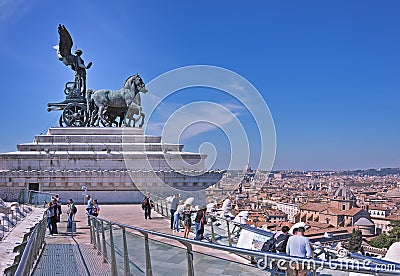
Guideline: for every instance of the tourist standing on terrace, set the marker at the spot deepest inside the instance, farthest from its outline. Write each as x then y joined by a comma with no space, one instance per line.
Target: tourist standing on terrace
298,246
53,211
147,205
48,213
178,214
200,220
174,207
95,208
59,208
70,212
187,220
89,208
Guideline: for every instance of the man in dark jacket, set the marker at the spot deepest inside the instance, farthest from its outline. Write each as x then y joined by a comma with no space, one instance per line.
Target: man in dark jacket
277,244
199,222
147,204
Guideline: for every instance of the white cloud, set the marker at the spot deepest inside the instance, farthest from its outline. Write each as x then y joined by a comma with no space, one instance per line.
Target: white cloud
206,115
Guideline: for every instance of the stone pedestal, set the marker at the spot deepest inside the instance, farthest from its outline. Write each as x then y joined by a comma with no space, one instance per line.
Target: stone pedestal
115,164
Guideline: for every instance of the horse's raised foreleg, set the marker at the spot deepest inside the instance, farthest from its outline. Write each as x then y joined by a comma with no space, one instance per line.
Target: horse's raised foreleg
142,115
134,121
125,118
93,116
100,113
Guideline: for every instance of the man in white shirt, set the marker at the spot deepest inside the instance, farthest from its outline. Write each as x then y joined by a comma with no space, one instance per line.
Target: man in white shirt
298,246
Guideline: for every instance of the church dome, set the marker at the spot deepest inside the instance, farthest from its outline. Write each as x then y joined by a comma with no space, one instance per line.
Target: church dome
344,193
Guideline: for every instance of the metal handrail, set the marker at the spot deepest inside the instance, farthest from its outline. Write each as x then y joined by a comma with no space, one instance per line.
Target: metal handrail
345,265
33,248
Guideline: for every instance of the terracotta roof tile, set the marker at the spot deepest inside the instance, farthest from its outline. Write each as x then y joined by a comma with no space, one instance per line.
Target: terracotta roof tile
352,211
311,206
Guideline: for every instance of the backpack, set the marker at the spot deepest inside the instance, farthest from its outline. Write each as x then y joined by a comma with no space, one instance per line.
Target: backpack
74,209
269,245
281,242
144,203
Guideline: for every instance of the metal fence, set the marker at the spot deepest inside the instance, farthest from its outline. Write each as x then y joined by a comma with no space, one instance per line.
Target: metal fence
130,250
33,241
225,231
32,250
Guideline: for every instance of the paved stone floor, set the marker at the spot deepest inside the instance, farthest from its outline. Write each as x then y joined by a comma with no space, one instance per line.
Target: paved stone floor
66,254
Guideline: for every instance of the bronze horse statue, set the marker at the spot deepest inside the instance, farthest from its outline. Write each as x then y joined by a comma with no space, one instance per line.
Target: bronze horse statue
123,103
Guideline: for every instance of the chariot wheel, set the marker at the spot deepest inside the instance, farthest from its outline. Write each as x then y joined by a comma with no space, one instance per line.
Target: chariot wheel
61,121
75,115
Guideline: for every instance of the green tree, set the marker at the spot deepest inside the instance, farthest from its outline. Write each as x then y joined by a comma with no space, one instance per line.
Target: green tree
355,241
384,240
381,241
394,233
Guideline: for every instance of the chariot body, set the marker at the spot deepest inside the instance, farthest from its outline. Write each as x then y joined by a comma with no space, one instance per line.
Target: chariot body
75,108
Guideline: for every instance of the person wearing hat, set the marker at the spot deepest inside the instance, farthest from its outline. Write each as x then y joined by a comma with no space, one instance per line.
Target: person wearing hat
199,221
80,71
298,246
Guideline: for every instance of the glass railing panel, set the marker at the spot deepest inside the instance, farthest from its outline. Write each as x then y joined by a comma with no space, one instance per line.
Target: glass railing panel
118,249
137,255
205,264
42,198
35,198
221,232
167,259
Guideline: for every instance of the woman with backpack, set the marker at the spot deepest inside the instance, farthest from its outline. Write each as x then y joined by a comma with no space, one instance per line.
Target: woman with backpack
95,208
71,212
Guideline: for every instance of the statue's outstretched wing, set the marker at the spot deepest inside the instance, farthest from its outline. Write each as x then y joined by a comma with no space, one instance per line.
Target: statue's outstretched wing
65,46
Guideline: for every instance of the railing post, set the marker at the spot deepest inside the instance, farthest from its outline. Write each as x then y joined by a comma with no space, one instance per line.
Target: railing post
189,257
98,236
104,243
162,209
127,270
229,233
149,271
91,231
212,231
93,236
166,209
113,260
314,269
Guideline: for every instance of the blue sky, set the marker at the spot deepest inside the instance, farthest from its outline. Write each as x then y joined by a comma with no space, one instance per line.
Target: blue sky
328,70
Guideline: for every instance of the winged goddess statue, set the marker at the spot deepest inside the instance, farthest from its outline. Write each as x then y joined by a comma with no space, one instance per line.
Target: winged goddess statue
75,61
